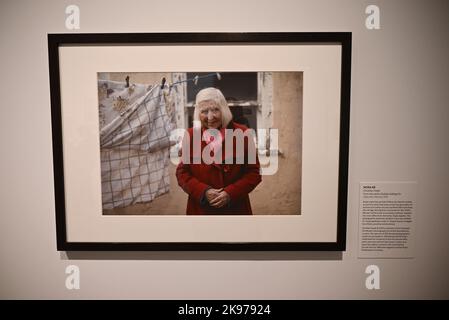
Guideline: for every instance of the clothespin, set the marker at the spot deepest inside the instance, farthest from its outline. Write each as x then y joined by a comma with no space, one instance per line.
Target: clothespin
127,81
163,83
218,76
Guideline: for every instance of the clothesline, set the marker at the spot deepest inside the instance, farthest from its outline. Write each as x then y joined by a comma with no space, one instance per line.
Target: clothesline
159,95
194,79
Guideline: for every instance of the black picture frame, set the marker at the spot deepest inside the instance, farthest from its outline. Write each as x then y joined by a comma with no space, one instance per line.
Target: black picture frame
55,41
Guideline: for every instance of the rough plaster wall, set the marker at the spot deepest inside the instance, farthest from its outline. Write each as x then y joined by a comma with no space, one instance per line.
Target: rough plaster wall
399,131
281,193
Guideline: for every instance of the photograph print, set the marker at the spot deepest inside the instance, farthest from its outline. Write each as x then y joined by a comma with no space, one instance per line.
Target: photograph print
200,143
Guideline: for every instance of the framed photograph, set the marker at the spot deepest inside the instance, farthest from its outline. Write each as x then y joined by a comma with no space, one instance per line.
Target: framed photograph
200,141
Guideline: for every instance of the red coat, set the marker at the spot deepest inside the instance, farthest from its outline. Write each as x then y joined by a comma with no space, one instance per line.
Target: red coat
238,180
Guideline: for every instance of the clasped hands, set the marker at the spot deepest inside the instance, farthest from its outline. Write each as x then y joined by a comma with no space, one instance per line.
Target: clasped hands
217,197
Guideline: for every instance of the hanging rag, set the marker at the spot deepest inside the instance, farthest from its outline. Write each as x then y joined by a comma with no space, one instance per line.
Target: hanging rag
134,143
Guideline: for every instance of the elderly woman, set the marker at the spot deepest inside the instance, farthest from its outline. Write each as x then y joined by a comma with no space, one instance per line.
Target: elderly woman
220,186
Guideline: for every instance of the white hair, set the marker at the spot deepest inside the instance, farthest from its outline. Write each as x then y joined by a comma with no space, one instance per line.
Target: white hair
213,94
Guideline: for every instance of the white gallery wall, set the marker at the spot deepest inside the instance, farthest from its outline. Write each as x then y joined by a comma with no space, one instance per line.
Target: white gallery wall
399,132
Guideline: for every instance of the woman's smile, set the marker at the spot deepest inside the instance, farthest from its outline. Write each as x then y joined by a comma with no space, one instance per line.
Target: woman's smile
210,114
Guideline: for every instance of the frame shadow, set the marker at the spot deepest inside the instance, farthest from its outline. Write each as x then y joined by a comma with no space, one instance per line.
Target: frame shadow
203,255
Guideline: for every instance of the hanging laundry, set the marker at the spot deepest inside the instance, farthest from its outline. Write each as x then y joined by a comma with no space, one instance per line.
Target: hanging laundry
134,143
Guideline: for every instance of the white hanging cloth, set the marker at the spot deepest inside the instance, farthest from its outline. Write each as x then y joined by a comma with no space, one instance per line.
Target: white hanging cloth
134,141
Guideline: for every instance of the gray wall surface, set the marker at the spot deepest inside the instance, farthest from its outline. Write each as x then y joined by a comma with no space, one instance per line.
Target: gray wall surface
399,132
